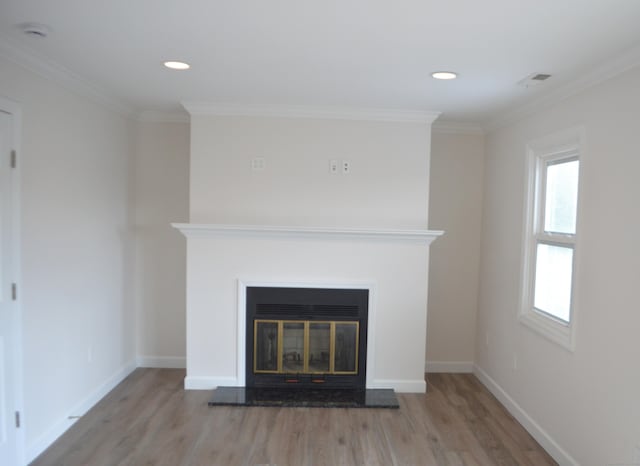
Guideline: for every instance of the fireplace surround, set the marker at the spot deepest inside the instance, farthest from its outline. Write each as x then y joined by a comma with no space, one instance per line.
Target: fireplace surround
223,260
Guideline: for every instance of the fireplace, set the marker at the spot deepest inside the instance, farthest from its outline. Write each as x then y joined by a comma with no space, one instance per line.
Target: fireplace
306,337
224,260
305,347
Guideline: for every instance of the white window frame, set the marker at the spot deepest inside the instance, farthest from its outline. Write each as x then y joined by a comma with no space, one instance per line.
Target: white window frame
563,146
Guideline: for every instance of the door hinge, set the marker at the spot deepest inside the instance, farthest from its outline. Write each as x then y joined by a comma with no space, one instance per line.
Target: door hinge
17,419
14,291
13,159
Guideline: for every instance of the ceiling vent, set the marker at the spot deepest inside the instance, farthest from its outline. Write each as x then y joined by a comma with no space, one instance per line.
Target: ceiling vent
534,79
35,30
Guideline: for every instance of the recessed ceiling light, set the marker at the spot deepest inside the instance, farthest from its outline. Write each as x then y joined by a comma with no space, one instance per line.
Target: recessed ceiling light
177,65
444,75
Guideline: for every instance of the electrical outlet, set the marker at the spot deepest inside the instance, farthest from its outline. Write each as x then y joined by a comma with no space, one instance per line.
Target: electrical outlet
346,167
333,166
258,164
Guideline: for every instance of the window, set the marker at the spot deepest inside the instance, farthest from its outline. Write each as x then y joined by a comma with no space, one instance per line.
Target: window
549,246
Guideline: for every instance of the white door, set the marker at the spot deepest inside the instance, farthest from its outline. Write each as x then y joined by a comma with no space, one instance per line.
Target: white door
8,299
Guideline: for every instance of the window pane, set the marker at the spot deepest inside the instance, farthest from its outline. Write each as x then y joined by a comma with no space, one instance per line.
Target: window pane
561,197
554,267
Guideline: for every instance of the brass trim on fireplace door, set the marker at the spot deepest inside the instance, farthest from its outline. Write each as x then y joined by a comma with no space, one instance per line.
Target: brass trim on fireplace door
332,347
305,349
280,346
306,333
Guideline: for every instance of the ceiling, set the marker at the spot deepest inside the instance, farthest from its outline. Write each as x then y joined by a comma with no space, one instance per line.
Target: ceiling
330,53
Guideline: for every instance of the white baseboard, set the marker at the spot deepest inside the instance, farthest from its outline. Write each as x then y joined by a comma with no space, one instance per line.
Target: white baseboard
162,362
400,386
542,437
208,383
454,367
45,440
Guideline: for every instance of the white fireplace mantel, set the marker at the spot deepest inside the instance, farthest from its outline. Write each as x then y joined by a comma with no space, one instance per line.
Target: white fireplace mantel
223,259
193,230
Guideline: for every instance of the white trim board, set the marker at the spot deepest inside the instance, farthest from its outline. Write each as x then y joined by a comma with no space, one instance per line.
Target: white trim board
450,367
537,432
208,383
456,127
192,230
605,71
62,76
15,110
45,440
307,111
400,386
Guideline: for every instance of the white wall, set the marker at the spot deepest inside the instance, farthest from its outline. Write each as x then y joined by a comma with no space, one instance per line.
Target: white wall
76,250
162,197
585,401
455,206
388,185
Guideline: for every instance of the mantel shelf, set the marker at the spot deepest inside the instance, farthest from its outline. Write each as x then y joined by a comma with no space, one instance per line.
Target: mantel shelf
199,230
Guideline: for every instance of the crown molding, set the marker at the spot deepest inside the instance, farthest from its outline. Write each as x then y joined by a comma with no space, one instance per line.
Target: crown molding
62,76
302,111
154,116
456,127
605,71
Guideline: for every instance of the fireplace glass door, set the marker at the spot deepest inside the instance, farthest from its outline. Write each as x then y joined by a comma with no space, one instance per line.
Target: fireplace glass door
293,347
319,354
266,346
305,347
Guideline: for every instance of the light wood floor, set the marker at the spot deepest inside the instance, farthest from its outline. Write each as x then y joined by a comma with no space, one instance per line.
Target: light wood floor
150,420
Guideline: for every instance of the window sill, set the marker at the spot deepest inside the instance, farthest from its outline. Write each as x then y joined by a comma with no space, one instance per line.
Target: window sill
557,332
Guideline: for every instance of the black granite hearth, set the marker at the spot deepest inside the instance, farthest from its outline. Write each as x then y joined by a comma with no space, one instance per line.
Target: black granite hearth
306,398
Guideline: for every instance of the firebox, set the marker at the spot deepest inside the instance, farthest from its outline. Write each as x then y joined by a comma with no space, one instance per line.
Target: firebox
306,337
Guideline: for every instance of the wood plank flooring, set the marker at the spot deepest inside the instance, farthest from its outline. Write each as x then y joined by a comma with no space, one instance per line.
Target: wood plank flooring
150,420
